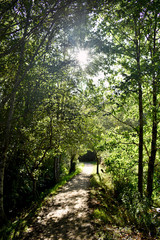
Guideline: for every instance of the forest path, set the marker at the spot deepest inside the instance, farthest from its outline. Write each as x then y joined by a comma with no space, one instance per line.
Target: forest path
66,216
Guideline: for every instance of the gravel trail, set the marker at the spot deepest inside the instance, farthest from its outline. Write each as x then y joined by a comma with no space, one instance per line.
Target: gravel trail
66,216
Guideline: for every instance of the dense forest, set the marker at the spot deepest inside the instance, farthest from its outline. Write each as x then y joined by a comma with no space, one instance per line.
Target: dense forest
79,75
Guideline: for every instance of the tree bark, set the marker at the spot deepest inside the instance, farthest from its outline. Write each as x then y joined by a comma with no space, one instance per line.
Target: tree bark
35,193
140,97
152,157
3,218
56,169
140,165
97,161
73,164
3,157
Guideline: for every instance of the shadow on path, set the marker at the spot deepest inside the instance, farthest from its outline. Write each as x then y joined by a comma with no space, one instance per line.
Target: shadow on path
66,215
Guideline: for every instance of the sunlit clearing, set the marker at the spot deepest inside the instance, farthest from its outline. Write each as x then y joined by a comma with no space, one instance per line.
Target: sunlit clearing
82,58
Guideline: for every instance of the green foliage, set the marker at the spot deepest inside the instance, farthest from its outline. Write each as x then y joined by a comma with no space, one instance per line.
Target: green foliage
115,209
15,228
101,215
138,210
52,110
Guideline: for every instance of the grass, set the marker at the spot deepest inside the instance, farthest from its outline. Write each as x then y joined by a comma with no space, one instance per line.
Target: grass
107,215
16,227
113,219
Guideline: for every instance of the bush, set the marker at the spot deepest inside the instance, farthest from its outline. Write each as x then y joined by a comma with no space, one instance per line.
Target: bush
120,204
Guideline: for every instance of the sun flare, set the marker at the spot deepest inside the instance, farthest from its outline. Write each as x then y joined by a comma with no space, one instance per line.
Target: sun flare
82,57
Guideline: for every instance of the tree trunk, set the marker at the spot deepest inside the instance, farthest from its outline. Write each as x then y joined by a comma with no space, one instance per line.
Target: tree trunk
97,161
140,97
140,163
152,158
3,158
56,169
35,193
73,164
3,218
97,166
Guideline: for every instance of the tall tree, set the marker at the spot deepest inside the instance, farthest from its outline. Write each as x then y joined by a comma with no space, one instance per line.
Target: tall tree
27,30
128,27
153,39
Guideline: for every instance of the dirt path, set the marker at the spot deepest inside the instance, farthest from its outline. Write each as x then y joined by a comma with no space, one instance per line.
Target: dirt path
66,216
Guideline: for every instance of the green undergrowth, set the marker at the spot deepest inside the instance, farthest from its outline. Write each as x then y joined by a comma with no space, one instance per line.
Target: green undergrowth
121,218
16,227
